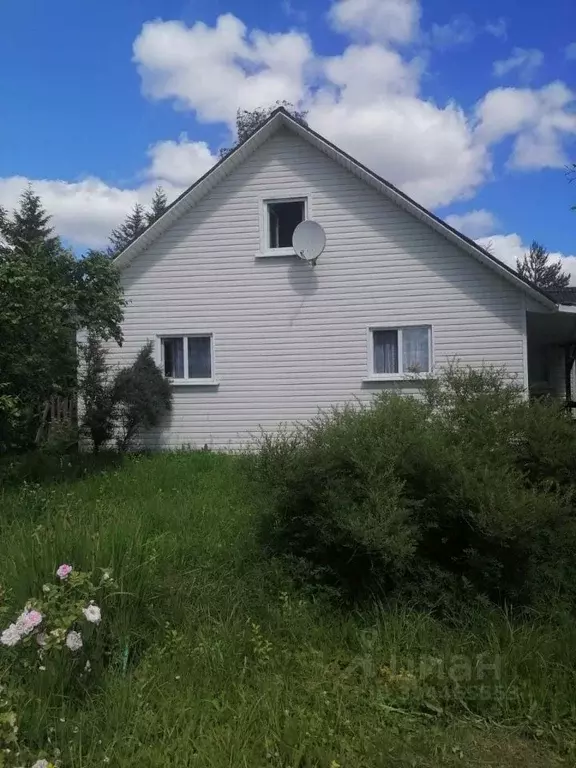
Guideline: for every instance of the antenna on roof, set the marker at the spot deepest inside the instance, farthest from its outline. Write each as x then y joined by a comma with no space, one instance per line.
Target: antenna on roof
309,241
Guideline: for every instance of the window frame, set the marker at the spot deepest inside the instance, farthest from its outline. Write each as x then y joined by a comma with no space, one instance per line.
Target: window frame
402,375
264,202
186,381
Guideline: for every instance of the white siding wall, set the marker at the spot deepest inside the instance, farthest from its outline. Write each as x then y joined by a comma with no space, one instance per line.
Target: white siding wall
290,339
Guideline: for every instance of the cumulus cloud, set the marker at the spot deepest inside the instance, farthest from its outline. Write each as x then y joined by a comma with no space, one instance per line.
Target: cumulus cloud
384,20
475,224
541,121
367,100
364,72
524,61
509,248
429,152
179,163
214,70
85,212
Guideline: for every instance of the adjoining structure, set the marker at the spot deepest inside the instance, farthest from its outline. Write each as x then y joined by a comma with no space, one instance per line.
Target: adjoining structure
252,336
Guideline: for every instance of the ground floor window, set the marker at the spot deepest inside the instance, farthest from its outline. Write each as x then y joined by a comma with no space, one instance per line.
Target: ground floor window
188,357
395,351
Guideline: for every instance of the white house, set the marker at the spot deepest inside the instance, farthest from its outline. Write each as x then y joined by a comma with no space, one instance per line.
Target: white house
251,336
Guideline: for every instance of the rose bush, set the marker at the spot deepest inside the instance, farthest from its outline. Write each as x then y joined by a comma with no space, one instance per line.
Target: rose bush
63,616
60,626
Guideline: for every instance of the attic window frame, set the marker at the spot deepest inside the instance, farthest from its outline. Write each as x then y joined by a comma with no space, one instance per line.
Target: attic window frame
265,248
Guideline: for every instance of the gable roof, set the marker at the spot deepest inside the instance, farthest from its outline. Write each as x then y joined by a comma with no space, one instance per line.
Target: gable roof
281,118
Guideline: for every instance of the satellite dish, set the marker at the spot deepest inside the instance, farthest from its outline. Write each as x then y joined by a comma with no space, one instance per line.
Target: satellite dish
309,241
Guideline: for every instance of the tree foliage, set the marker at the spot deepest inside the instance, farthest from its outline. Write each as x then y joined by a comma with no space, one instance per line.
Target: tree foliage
37,329
537,267
96,393
47,297
248,121
143,397
464,495
138,220
132,227
29,225
158,206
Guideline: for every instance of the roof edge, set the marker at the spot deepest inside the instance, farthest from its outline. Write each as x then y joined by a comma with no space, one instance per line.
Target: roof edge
161,224
281,116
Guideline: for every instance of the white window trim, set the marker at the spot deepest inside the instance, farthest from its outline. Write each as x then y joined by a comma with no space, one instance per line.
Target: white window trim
401,375
186,382
265,251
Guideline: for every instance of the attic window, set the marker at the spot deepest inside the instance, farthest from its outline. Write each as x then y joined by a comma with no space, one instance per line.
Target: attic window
283,218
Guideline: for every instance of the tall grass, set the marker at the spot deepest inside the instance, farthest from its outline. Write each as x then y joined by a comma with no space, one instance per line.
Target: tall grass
218,661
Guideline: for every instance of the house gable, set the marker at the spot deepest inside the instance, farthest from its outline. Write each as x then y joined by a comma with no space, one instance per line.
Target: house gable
282,120
289,339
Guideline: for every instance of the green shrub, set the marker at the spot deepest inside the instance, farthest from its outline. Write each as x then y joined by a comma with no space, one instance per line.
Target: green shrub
464,493
142,396
96,391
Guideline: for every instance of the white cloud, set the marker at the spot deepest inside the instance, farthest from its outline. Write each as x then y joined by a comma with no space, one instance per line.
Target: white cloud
365,72
181,162
85,212
474,223
540,120
367,100
570,52
497,28
509,248
429,152
458,31
525,61
384,20
214,70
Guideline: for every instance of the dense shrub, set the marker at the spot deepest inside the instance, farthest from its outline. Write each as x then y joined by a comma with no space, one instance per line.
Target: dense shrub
465,492
142,397
96,391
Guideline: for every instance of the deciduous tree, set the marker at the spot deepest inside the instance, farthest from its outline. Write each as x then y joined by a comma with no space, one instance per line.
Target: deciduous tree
248,121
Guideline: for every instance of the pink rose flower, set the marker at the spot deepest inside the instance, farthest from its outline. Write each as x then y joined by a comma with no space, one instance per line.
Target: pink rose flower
28,621
64,571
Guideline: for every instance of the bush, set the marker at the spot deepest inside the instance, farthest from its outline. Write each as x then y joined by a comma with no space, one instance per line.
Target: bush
463,493
142,396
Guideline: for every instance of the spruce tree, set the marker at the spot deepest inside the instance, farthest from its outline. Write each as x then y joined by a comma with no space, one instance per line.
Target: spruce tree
535,267
133,226
29,225
158,206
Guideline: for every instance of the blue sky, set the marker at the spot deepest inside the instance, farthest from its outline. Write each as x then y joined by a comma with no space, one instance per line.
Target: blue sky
468,107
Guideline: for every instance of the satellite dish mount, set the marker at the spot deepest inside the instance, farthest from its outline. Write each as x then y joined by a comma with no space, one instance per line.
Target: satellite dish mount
309,241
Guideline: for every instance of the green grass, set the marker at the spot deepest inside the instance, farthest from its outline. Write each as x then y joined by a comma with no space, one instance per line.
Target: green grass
217,661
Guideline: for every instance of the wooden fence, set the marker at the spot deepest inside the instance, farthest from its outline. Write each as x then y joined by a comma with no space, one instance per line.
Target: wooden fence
60,417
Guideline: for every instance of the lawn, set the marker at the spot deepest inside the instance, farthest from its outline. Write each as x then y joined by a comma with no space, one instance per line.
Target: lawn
217,660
